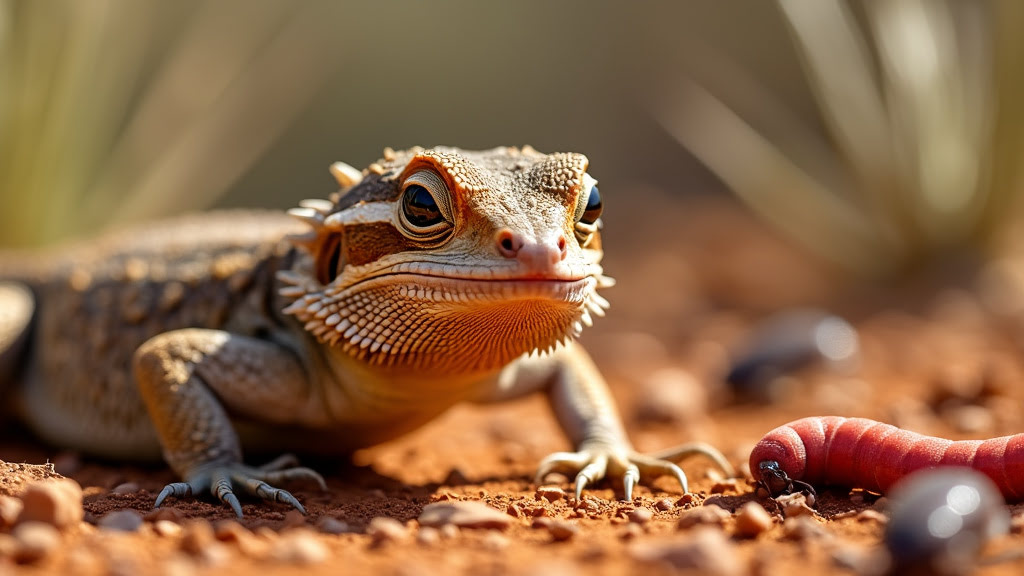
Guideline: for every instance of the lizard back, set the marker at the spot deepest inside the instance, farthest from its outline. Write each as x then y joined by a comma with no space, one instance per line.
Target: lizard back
98,301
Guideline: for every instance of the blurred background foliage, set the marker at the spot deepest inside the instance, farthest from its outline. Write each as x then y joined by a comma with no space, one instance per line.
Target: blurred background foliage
881,135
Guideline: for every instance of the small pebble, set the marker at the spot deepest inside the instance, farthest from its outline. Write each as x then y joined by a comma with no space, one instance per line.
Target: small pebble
34,541
703,516
57,502
550,493
450,531
665,504
465,514
164,513
495,541
382,529
687,500
126,488
751,520
121,521
640,516
705,551
561,530
588,505
428,536
299,546
514,510
794,505
166,528
329,525
10,509
803,528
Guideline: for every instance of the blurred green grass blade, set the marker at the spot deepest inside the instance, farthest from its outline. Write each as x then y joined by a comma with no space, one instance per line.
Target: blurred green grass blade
228,134
767,180
117,111
842,77
937,132
1006,156
214,49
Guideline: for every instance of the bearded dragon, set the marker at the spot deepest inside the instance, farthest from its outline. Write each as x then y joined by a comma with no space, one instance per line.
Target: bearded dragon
433,277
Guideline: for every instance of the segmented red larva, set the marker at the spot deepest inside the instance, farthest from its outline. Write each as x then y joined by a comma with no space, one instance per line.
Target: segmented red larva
862,453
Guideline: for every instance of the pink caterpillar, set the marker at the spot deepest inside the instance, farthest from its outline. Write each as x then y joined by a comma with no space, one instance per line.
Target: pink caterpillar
862,453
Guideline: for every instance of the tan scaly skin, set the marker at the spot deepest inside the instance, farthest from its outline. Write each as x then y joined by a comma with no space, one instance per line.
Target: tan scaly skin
433,277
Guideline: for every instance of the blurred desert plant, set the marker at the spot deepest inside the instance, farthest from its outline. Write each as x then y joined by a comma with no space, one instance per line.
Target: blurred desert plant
113,111
921,104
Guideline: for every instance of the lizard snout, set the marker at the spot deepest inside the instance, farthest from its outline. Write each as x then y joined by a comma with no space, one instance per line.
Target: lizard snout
536,256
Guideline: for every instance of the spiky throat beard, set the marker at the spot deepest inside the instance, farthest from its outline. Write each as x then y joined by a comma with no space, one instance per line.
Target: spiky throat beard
444,325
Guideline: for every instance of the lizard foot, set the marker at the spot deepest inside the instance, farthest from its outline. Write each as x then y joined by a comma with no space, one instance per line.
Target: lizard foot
593,464
223,479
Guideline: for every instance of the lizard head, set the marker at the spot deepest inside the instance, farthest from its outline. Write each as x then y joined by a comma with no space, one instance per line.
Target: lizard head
451,260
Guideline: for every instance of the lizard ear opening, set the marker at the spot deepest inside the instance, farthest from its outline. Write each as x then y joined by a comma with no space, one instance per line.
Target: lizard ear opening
329,260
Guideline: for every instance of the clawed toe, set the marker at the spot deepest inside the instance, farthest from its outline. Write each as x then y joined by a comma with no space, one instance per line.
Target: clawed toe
592,466
561,462
224,480
176,489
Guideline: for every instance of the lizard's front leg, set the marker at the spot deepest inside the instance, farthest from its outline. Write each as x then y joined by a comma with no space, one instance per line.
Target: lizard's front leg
586,411
190,379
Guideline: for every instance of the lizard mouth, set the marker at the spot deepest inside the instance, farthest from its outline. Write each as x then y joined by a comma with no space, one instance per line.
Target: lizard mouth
456,289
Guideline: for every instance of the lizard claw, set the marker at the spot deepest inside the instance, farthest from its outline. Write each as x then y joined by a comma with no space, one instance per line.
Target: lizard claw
629,479
593,464
176,489
581,483
222,480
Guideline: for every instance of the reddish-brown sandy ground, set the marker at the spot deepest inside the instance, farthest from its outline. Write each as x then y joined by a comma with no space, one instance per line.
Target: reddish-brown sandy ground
688,294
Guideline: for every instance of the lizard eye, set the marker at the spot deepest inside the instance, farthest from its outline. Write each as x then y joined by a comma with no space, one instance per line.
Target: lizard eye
425,211
420,208
593,209
588,213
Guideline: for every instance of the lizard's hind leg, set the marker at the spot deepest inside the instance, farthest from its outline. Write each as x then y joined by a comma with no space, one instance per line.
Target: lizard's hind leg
17,307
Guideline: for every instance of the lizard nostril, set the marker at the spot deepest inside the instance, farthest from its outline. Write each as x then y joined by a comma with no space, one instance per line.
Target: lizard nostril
509,243
561,246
